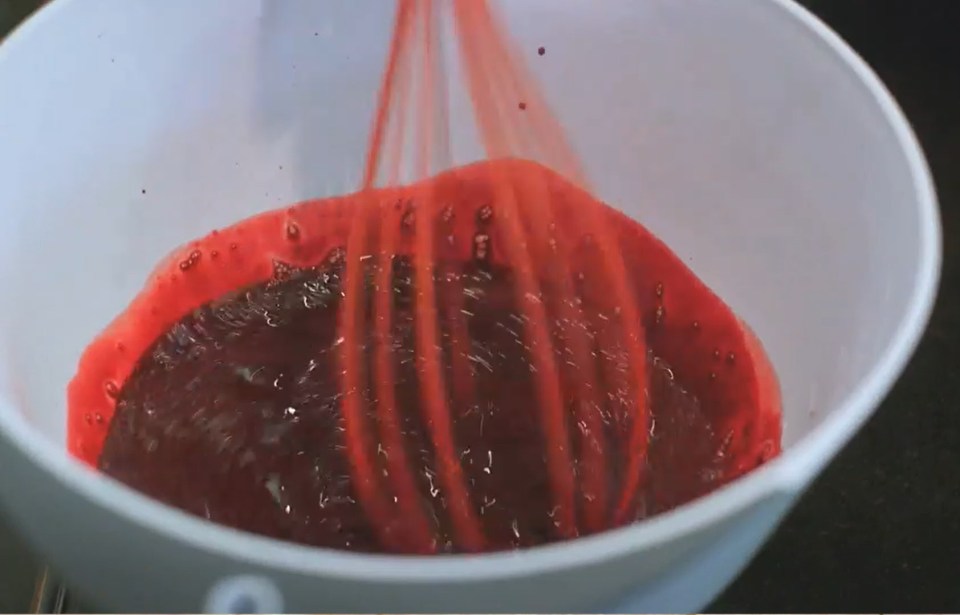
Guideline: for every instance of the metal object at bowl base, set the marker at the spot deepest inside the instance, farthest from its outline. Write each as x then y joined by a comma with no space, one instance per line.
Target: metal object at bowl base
49,595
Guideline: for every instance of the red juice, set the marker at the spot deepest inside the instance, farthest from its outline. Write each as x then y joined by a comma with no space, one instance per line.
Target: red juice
220,389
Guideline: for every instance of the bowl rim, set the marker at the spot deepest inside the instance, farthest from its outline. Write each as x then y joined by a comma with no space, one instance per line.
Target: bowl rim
788,474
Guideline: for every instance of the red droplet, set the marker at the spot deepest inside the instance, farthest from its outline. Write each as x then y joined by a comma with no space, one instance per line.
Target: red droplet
111,388
523,106
98,418
541,50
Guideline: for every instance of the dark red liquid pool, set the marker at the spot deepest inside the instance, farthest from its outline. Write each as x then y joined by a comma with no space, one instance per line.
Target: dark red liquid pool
221,389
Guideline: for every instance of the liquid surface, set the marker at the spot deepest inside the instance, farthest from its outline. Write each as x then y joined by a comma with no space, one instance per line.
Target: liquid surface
243,395
221,389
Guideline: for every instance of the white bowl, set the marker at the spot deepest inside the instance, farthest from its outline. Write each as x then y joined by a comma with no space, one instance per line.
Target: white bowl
746,134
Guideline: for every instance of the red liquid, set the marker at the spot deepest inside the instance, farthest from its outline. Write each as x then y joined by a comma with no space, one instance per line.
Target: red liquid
220,390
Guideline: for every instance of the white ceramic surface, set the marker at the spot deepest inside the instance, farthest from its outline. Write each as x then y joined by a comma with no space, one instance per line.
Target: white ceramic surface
743,132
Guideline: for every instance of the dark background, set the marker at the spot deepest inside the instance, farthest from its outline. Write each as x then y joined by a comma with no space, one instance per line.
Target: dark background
880,530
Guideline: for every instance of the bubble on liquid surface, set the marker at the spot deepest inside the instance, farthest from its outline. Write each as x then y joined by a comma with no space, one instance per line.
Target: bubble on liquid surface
336,256
409,218
282,270
447,214
111,389
485,215
191,261
292,231
481,247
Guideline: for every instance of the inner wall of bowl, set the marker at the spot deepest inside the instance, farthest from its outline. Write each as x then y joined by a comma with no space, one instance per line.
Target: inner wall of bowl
728,130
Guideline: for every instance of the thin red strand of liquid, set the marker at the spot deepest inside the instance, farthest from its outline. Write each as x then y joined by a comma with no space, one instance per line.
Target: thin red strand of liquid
493,82
490,79
467,527
493,70
467,530
371,494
